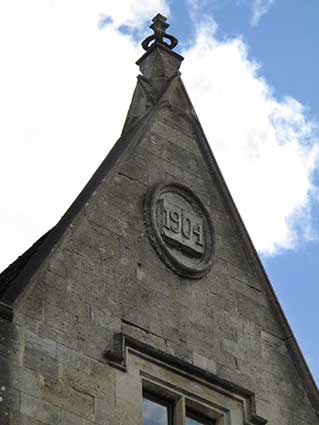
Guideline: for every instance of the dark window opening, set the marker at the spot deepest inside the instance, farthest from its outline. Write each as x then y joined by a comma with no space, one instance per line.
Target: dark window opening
194,419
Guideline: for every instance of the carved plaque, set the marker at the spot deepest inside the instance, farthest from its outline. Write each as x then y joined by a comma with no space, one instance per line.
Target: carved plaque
180,229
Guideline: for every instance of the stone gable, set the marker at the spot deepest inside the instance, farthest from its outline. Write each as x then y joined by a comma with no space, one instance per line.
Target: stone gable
100,276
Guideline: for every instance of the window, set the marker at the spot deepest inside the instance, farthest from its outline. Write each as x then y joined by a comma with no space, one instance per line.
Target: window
159,412
156,412
164,406
154,388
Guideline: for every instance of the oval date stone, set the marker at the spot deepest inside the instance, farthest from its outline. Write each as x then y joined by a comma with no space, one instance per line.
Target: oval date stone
179,229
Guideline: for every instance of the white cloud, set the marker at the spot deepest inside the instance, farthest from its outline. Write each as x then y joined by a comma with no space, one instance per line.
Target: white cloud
266,147
65,88
259,9
133,13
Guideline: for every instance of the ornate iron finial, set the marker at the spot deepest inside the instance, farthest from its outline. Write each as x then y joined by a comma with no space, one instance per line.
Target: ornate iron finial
159,27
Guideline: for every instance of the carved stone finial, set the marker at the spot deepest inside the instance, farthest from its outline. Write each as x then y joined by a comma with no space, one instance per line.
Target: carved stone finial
159,27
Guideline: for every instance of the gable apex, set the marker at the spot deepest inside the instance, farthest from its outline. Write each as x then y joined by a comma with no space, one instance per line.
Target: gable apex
161,101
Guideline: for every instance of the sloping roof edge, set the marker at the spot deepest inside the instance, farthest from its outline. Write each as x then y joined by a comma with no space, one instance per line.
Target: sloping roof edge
290,339
20,280
17,286
12,271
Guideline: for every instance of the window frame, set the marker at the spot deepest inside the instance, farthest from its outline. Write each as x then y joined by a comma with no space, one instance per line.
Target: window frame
202,420
182,405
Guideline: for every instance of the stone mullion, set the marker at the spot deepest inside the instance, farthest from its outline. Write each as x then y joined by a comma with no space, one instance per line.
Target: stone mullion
179,416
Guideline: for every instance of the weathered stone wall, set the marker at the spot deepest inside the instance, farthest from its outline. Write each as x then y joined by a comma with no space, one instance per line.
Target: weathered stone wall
104,277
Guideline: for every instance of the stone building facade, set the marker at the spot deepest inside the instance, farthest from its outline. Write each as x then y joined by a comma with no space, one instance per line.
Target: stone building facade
149,293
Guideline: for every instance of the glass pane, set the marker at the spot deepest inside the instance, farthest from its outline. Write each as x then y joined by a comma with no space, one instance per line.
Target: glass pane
154,413
190,421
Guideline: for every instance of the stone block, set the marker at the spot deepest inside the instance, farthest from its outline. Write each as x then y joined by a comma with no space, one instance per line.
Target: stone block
235,349
262,316
144,335
80,382
40,344
245,276
104,377
68,397
106,412
40,410
255,294
25,380
11,342
96,341
107,318
163,130
72,419
179,351
40,361
72,359
62,326
204,362
276,343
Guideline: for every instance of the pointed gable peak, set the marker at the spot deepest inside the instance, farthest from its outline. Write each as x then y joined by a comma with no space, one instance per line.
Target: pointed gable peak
158,67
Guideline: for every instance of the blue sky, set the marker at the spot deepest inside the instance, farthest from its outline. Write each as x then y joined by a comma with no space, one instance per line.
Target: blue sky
285,43
250,69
